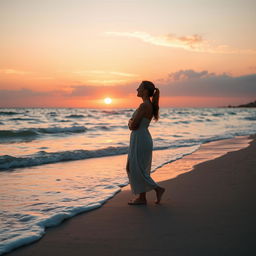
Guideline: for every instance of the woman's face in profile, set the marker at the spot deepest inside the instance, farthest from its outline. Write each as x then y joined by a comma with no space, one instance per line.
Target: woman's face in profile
140,90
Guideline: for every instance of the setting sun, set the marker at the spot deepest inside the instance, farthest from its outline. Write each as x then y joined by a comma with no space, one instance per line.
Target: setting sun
108,100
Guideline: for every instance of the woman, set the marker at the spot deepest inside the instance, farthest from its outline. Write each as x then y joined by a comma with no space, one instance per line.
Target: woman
140,151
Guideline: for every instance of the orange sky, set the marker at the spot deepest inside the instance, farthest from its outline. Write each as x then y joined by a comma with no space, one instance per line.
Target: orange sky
64,53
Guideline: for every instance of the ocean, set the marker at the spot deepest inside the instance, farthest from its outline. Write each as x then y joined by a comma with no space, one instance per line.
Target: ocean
58,162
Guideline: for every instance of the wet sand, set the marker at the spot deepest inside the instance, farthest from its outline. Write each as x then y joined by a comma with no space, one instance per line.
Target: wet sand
208,209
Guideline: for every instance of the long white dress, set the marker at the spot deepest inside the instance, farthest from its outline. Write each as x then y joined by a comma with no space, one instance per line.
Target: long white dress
140,158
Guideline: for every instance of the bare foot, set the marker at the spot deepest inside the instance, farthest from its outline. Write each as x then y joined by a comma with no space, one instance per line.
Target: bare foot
159,194
137,201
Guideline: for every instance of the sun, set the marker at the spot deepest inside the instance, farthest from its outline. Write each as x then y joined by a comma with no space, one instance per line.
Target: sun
108,100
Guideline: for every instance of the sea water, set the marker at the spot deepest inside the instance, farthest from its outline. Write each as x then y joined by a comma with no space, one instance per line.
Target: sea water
56,163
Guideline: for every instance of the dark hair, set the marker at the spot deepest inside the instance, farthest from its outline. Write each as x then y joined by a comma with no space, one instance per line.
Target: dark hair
154,93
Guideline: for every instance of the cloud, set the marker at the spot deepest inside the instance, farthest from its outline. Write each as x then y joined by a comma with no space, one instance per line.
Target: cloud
182,83
104,77
43,78
8,71
194,43
27,93
203,83
90,90
189,74
190,40
123,74
103,72
106,81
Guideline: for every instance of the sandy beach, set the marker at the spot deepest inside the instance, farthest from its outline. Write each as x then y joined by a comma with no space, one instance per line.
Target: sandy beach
208,209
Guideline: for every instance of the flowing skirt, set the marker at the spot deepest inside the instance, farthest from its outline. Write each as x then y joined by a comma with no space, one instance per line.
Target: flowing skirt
139,161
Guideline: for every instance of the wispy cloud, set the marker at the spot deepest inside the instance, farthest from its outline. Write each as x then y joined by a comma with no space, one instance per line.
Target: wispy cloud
104,72
123,74
43,78
32,75
8,71
195,43
106,81
105,77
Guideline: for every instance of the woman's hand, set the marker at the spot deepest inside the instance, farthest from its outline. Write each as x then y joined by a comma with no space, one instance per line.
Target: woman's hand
134,122
130,123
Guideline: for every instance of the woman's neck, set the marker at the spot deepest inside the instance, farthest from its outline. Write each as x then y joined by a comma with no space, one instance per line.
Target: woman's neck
145,99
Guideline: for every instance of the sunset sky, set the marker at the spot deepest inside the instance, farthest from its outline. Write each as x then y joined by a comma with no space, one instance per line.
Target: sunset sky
75,53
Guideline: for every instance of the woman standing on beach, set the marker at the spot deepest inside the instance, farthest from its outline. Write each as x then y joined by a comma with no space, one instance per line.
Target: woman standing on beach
140,151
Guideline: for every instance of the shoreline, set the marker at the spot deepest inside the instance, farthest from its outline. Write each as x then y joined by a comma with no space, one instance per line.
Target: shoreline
101,226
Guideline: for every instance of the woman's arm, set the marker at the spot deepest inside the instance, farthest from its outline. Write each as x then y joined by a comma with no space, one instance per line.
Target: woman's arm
135,122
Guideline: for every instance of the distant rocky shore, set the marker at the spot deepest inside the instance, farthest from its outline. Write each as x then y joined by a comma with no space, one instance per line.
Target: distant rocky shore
248,105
